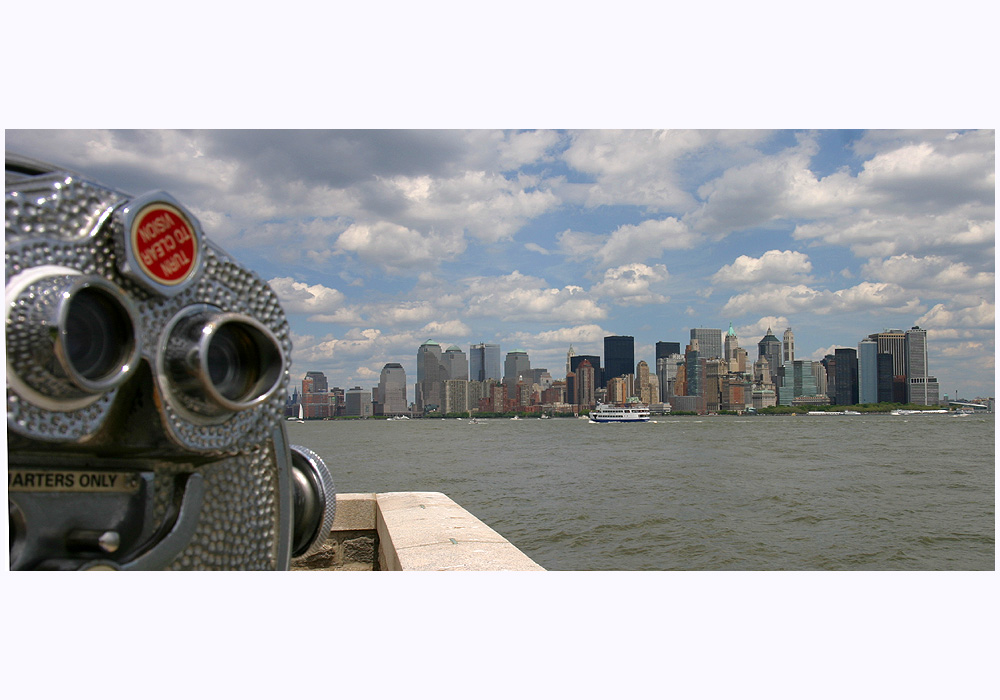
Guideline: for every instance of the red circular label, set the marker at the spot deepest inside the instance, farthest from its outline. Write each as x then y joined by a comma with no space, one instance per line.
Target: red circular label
164,243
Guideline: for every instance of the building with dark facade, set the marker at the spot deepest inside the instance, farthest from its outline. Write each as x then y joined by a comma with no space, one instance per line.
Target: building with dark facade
770,347
619,356
595,365
846,376
709,342
666,349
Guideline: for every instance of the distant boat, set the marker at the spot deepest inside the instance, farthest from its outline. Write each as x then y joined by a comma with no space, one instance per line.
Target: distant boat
911,412
293,419
633,413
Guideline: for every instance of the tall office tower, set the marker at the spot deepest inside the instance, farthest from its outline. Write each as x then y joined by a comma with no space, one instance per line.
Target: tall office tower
315,396
641,388
666,349
762,373
736,357
770,347
893,342
819,374
709,342
484,362
829,363
885,377
868,371
847,376
392,389
571,388
584,384
317,383
431,375
619,356
921,387
666,374
694,367
515,366
788,347
715,369
456,365
595,365
569,359
800,382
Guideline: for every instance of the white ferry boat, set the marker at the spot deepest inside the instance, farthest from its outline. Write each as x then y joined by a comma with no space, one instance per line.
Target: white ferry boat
633,413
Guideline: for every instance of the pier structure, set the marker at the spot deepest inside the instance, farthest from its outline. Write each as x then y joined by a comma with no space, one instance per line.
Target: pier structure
411,531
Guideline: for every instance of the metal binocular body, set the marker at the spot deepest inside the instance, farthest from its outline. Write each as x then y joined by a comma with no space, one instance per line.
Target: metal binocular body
147,373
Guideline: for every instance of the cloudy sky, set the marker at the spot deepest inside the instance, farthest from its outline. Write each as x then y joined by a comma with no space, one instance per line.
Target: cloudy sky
378,240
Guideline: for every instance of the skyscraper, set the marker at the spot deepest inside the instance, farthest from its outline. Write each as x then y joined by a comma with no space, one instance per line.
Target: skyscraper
921,387
584,384
484,362
595,366
515,366
846,376
770,347
868,371
569,359
893,342
788,347
392,389
709,342
431,374
455,363
619,356
666,349
641,388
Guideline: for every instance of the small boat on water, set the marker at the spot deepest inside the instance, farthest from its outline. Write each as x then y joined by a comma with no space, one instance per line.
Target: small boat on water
909,412
631,413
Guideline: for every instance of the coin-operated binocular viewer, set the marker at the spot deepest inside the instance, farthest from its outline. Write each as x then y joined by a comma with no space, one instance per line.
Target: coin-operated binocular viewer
146,379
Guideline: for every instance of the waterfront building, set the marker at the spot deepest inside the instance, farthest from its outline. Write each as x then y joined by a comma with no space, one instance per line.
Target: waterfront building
585,389
358,402
885,377
619,356
788,347
819,374
392,390
846,376
921,387
431,374
799,383
456,395
595,365
762,373
868,371
716,368
315,397
736,393
763,398
893,342
770,347
829,363
709,342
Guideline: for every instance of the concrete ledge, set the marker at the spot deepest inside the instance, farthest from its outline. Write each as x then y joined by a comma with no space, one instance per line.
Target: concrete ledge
427,531
411,531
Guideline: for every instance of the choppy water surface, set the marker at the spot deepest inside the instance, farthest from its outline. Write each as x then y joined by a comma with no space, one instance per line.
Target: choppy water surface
688,493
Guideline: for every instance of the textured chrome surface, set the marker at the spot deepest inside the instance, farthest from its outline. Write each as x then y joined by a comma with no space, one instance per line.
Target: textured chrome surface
236,459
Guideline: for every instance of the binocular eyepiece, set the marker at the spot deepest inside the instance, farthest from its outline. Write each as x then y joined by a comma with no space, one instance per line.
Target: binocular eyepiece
146,378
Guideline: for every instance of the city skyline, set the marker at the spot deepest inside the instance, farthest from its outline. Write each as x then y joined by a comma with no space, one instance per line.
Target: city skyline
377,241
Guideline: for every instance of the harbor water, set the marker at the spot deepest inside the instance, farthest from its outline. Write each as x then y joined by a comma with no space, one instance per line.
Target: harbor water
713,493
